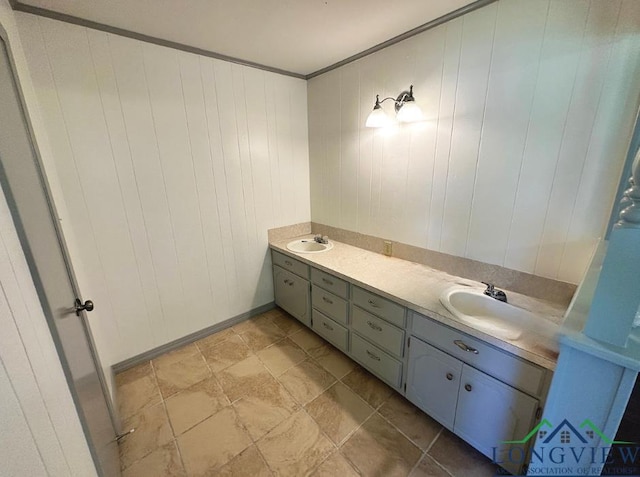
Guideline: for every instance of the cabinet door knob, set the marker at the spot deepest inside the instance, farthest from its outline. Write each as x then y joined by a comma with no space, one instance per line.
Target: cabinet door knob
449,376
468,387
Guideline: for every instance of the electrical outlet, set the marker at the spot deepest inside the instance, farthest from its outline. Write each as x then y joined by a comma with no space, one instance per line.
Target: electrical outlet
388,248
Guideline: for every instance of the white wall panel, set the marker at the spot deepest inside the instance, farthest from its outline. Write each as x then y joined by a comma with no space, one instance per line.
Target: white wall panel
529,108
173,167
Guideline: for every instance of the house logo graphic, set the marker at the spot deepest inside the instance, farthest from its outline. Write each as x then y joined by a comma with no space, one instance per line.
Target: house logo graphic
587,434
569,449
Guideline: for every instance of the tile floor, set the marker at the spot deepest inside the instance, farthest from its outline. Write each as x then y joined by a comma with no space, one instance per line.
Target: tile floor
269,397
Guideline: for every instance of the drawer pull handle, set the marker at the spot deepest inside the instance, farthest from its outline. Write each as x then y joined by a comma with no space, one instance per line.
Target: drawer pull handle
449,376
328,282
329,327
326,300
373,356
288,282
288,262
464,347
373,304
468,387
374,326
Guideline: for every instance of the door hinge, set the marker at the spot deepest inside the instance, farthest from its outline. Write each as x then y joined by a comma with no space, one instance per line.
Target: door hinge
124,434
409,342
405,387
539,413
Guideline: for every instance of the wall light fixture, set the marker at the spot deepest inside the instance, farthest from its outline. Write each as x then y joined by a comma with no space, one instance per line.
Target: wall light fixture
407,111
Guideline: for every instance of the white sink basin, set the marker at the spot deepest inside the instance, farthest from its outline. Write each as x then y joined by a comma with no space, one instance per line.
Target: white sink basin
308,246
472,306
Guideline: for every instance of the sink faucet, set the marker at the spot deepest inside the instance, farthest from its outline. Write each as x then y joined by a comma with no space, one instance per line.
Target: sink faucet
493,292
320,239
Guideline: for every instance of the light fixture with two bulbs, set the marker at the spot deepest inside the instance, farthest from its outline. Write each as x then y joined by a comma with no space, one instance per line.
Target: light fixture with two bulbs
407,111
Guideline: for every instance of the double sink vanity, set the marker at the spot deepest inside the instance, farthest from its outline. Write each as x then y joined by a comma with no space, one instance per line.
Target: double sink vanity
480,367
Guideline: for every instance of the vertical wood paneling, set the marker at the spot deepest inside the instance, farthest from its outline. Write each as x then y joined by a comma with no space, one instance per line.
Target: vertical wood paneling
556,75
471,101
174,166
529,109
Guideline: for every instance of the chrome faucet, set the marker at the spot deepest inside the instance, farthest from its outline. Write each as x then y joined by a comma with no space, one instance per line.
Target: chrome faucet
320,239
493,292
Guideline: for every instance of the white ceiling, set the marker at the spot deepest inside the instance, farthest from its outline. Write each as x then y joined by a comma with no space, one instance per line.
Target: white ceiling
299,36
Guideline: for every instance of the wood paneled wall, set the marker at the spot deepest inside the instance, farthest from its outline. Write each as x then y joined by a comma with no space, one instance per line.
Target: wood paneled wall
172,167
529,106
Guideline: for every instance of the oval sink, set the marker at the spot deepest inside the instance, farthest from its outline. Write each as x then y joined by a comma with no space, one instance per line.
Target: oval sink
481,311
308,246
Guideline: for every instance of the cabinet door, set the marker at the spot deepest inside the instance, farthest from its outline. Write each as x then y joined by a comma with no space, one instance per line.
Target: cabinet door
490,412
433,380
292,294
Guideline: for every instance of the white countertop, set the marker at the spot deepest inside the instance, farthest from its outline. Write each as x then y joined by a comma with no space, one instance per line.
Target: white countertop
418,287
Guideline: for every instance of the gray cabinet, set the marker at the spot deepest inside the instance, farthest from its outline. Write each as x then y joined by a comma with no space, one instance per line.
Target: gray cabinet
477,407
291,291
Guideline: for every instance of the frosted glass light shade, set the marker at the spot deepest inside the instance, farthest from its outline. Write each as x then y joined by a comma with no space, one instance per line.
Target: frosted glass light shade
377,118
410,112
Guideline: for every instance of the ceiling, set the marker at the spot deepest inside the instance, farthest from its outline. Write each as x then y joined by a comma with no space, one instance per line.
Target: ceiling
297,36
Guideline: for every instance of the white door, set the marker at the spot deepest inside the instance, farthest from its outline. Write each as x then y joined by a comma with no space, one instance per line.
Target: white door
33,214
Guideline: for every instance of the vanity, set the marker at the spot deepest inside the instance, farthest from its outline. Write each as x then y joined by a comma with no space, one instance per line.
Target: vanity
385,314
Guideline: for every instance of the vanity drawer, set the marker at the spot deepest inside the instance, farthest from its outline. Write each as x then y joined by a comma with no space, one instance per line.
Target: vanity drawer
379,331
390,311
329,304
290,264
330,283
502,365
332,331
377,361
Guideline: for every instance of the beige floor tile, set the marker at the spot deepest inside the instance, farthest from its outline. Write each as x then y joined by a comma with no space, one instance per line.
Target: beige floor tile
152,430
262,335
335,466
252,323
194,404
136,390
414,423
306,381
165,461
179,375
295,446
226,353
368,387
378,449
174,356
133,374
215,338
244,378
287,323
264,408
249,463
338,411
307,340
459,458
333,360
213,443
281,356
428,468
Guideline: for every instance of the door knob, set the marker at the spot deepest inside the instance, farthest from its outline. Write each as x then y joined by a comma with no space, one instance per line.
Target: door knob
449,376
79,306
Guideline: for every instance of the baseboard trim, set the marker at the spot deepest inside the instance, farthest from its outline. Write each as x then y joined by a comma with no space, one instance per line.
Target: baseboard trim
155,352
